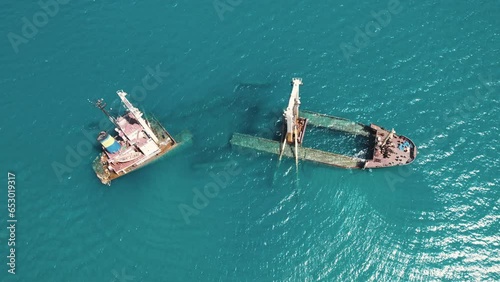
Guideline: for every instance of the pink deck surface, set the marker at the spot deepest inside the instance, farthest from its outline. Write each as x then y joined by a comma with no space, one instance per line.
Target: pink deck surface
132,129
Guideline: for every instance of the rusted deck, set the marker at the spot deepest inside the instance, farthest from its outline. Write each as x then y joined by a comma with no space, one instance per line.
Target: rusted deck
301,129
390,149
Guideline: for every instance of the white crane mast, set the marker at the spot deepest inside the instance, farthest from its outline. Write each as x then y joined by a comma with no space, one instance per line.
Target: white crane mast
137,114
292,111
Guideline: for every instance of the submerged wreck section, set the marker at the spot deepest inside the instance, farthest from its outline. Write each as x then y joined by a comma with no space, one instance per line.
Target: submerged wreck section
385,148
308,154
336,123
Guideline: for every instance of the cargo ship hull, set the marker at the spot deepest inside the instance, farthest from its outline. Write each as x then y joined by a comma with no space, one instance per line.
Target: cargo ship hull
386,148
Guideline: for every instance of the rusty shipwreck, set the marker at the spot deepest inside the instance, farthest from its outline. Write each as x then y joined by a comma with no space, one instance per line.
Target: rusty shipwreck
138,140
385,149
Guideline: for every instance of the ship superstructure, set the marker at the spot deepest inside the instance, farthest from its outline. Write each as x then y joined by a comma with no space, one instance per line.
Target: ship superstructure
137,142
295,126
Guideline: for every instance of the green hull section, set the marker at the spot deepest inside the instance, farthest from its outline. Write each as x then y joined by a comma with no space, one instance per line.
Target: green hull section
336,123
273,147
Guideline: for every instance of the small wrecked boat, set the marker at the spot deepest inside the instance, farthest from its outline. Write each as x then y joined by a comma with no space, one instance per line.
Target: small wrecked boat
138,141
385,148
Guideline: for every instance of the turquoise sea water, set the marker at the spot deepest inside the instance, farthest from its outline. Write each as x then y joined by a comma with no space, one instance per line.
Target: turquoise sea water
431,71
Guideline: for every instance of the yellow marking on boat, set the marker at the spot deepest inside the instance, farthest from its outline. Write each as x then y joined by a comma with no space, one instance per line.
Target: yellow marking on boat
108,141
